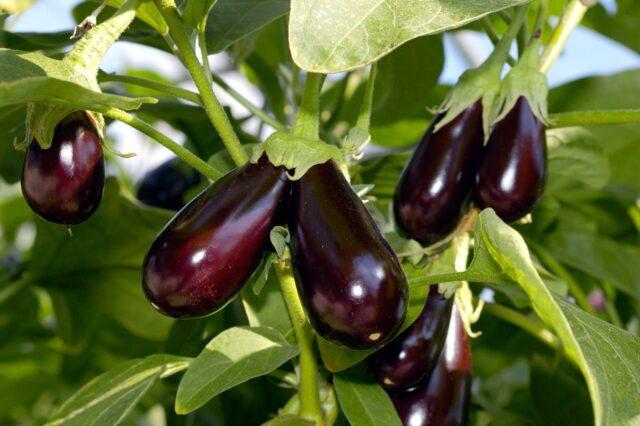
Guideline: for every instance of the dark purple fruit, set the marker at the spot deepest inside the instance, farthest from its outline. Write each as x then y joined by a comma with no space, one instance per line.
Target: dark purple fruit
431,193
514,169
444,399
166,185
64,183
350,281
201,258
411,357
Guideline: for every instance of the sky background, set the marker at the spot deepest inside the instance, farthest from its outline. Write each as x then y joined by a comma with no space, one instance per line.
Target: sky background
587,53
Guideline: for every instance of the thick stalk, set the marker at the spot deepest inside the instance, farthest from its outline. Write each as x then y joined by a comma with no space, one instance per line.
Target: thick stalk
501,51
308,390
211,105
184,154
307,121
593,118
570,19
531,325
491,32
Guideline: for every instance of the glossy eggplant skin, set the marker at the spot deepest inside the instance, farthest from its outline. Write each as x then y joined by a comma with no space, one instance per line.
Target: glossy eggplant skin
444,400
166,185
349,279
514,169
431,193
409,359
64,183
203,256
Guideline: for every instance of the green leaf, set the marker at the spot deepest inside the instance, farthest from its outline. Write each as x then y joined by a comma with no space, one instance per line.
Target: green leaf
107,399
15,6
621,26
99,265
289,420
606,355
363,400
196,12
12,119
268,309
333,35
232,20
146,12
233,357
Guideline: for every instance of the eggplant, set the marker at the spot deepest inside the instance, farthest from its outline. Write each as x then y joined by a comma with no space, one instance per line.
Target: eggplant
166,185
444,400
409,359
348,277
64,183
202,257
430,196
514,166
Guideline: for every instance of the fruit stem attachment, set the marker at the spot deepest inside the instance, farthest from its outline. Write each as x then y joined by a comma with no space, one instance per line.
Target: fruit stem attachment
87,53
308,389
593,118
184,154
307,121
491,32
531,325
501,51
211,105
571,18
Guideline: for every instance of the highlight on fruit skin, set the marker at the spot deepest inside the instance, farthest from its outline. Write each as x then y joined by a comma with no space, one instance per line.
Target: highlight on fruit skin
433,189
64,183
514,166
445,398
204,255
166,185
409,358
349,279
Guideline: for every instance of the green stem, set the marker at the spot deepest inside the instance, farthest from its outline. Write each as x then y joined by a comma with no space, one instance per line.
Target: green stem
212,106
87,53
186,155
562,272
174,91
610,306
501,51
256,111
531,325
593,118
491,32
11,289
308,390
307,121
571,17
204,53
364,117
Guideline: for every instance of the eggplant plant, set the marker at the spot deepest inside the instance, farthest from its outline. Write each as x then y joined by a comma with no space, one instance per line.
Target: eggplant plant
341,236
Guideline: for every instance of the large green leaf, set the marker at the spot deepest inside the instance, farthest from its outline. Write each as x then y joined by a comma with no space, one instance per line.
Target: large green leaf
335,35
606,355
12,119
363,401
232,20
232,357
33,77
102,261
621,26
107,399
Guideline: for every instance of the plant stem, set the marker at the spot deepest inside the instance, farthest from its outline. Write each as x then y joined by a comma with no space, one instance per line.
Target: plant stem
184,154
610,306
571,17
307,121
308,390
531,325
593,118
214,110
204,53
491,32
562,272
256,111
174,91
364,117
501,50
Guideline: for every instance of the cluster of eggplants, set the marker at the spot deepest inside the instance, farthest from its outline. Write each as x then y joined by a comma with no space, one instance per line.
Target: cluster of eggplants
449,165
166,185
64,183
444,398
350,282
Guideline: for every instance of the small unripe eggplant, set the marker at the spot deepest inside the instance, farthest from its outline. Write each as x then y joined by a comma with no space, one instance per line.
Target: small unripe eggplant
166,185
203,256
349,279
64,183
514,168
411,357
431,193
444,399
